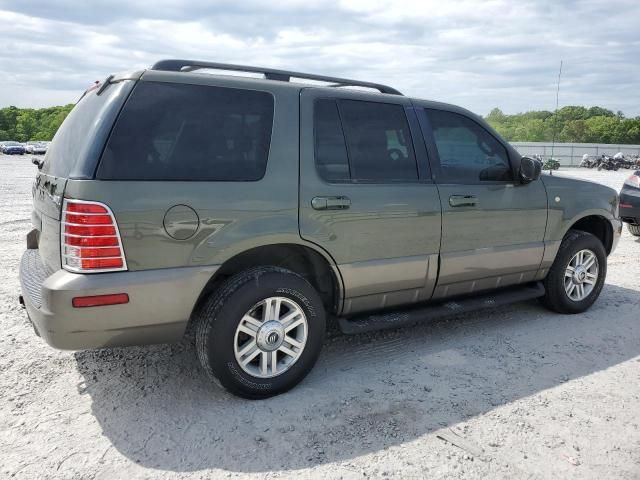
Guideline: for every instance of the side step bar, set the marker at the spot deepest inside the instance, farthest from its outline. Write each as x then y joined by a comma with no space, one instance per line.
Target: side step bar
425,313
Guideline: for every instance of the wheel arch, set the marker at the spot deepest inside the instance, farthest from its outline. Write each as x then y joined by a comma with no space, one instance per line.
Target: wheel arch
314,265
597,225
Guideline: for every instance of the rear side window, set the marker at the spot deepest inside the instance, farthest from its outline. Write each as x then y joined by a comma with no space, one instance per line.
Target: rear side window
468,153
170,131
363,141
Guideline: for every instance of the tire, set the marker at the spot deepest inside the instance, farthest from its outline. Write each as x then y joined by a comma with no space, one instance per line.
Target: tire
634,229
219,331
556,297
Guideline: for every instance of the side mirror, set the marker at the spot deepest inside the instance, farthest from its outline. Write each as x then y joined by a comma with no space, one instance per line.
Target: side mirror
530,169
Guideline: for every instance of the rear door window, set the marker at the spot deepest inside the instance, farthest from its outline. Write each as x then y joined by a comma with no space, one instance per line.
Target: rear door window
378,141
332,161
363,141
170,131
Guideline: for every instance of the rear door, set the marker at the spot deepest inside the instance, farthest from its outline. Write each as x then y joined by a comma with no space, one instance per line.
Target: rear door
493,226
366,196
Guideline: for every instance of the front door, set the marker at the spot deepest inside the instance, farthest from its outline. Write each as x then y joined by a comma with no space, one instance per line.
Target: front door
366,196
492,225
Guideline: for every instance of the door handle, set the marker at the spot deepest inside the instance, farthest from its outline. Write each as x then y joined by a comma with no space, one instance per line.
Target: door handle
463,200
330,203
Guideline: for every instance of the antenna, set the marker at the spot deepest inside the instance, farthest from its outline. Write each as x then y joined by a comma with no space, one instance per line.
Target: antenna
555,116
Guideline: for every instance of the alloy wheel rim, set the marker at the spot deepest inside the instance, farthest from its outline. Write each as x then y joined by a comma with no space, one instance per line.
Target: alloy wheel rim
270,337
581,275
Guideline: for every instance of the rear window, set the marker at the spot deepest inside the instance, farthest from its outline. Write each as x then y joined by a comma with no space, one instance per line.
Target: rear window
75,140
170,131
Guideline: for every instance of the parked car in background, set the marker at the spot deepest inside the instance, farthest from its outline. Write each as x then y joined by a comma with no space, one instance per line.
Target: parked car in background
37,148
251,211
13,148
630,203
40,148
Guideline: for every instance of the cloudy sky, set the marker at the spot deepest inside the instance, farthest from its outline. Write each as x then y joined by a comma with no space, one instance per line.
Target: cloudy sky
476,53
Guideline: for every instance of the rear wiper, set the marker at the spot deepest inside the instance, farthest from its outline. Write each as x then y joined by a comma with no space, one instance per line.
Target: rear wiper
38,162
104,86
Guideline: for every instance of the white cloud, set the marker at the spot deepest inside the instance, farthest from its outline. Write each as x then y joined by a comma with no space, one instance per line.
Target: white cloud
475,53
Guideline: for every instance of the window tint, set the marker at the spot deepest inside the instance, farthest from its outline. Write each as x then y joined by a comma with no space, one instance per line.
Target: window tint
330,149
74,138
378,140
190,132
468,152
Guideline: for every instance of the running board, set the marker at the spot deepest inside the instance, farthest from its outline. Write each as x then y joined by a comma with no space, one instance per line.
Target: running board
425,313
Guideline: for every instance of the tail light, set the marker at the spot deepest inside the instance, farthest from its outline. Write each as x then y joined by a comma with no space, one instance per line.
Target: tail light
90,238
633,181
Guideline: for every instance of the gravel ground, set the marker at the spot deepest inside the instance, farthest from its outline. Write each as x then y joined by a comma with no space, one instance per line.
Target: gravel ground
516,392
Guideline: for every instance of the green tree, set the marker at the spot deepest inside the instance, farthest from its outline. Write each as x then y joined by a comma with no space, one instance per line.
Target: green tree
24,124
572,123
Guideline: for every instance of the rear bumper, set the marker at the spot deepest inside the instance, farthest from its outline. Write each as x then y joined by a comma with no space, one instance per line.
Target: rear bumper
630,215
160,304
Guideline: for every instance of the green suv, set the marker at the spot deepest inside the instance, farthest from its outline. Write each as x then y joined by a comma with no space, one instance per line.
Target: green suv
252,210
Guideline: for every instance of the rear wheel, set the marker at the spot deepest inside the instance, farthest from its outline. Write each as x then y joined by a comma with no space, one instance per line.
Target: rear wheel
577,275
634,229
261,333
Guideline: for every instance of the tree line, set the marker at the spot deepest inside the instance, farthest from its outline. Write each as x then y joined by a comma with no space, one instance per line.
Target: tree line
24,124
570,124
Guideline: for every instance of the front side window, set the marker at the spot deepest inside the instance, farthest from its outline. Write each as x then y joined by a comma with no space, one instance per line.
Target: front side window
363,141
468,153
170,131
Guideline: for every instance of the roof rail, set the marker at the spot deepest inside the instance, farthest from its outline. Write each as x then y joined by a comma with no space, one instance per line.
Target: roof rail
269,73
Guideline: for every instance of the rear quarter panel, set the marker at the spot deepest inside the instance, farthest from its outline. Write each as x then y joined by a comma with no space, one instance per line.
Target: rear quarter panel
233,216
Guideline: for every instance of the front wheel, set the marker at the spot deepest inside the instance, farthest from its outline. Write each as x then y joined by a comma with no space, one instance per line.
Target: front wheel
577,275
261,333
634,229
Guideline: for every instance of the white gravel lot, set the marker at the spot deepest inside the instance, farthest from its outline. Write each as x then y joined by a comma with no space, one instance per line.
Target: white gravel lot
525,393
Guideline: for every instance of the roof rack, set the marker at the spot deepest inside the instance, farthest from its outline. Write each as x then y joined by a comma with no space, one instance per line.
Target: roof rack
269,74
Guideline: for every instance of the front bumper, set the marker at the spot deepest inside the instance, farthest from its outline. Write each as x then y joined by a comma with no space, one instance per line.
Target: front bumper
160,304
617,233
